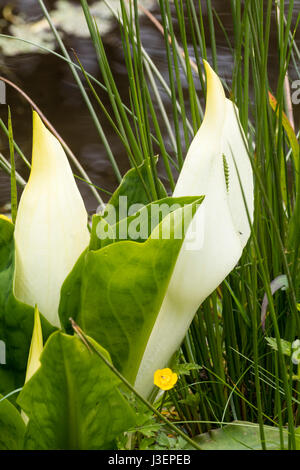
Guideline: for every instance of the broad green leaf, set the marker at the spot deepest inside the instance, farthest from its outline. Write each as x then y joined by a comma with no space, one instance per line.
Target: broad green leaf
137,226
122,288
132,187
73,401
12,427
100,223
241,435
16,318
71,289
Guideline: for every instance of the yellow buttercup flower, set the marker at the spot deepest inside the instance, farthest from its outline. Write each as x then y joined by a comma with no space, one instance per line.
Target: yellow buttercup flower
165,379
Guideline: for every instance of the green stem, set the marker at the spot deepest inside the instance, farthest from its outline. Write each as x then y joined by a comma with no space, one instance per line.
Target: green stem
168,423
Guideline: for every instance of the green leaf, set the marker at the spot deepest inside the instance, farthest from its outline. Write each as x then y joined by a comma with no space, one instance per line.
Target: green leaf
122,288
241,435
185,369
100,224
73,401
138,226
285,345
132,186
16,318
191,400
12,426
71,288
146,443
149,429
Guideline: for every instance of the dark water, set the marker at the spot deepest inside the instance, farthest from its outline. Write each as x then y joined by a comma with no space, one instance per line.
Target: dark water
50,84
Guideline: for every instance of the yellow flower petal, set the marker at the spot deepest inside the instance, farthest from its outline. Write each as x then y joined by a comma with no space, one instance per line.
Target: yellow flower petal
165,379
51,226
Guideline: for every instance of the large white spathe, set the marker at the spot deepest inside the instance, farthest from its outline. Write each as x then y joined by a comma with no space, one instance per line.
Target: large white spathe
51,226
220,226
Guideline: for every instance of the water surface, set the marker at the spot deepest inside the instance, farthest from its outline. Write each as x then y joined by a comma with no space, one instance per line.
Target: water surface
50,84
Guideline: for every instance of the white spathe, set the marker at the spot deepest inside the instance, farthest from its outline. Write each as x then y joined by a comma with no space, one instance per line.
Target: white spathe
51,226
36,347
220,226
